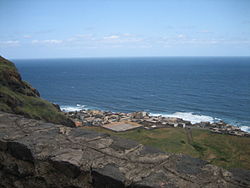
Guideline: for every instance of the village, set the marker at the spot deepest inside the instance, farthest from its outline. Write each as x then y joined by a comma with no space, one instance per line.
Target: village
118,121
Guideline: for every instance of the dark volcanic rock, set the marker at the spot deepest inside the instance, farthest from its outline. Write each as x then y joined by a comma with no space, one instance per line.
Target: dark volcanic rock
189,165
239,173
109,175
38,154
19,151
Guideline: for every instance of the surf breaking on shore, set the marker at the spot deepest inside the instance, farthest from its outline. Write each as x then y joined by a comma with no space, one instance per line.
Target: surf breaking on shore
187,116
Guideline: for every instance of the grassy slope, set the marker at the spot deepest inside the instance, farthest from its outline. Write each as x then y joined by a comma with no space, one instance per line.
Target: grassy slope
32,107
222,150
17,96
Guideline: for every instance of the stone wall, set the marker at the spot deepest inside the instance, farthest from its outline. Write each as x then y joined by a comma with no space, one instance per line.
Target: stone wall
38,154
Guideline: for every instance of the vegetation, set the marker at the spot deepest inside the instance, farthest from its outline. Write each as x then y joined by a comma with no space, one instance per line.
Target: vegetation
223,150
17,96
29,106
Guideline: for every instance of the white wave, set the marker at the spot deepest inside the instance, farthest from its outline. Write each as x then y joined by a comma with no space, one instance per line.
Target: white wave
78,107
245,128
189,116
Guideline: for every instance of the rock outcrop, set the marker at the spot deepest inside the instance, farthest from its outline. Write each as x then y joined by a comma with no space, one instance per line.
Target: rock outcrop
9,77
38,154
17,96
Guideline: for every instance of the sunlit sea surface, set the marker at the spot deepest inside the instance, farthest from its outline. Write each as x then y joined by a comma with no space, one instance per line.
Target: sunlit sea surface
193,88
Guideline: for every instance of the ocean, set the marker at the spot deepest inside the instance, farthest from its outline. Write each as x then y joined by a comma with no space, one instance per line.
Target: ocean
193,88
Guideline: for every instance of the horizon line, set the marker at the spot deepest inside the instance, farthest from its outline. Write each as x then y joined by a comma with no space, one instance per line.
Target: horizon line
114,57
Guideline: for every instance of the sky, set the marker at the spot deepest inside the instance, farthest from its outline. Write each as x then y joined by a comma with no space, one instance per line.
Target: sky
124,28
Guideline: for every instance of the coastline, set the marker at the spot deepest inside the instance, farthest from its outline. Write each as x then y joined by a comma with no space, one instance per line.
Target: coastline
126,121
187,116
216,88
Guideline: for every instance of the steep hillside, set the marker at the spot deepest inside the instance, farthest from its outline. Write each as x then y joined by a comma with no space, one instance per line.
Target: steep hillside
17,96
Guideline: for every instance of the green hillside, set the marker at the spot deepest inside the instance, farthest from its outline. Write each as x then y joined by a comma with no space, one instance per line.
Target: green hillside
17,96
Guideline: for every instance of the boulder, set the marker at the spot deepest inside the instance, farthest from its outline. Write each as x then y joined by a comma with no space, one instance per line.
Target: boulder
139,115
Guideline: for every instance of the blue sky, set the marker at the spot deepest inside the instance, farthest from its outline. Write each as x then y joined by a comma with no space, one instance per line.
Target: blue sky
114,28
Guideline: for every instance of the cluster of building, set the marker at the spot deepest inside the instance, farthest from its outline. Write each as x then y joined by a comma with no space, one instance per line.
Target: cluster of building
104,118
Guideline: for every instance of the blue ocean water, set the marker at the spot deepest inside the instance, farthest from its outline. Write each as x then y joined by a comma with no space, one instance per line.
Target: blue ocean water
193,88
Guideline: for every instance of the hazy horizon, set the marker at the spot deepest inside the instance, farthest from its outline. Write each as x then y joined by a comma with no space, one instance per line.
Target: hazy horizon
121,57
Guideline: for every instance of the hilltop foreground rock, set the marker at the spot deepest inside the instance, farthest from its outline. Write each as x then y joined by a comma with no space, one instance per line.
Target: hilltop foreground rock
17,96
38,154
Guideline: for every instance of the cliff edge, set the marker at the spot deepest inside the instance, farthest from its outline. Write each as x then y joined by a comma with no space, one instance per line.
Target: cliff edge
38,154
34,153
19,97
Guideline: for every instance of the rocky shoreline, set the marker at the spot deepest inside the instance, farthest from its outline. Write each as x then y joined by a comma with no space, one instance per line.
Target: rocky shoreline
102,118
